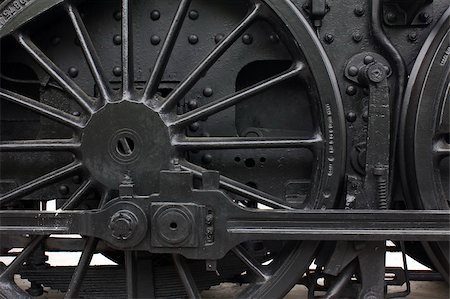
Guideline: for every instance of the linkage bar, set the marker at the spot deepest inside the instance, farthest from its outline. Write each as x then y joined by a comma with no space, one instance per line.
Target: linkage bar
251,225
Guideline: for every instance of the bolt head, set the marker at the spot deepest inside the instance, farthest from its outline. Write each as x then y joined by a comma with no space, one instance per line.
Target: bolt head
359,11
425,17
194,127
207,159
208,92
117,15
353,71
209,219
117,71
192,104
193,39
329,38
412,37
218,38
155,40
365,116
117,39
247,39
351,90
63,190
193,15
368,59
351,116
122,225
155,15
73,72
357,37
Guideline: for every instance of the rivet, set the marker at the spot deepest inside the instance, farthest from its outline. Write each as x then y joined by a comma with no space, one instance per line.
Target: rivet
391,17
328,38
351,116
193,15
155,40
193,39
207,159
425,17
63,190
353,71
117,39
247,39
218,38
359,11
76,113
117,71
365,115
351,90
368,59
412,37
194,127
73,72
274,38
208,92
357,37
76,179
56,40
118,15
192,104
155,15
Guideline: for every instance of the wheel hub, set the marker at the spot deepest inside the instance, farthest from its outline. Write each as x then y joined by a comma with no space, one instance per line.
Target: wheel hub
126,138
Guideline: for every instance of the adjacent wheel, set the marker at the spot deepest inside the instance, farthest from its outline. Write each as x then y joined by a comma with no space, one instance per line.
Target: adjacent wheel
426,131
241,87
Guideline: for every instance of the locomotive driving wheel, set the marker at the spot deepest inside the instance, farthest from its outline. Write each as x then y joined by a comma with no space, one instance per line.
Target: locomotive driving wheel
140,87
426,133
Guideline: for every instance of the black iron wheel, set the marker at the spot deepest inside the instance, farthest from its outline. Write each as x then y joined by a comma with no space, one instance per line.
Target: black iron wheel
103,128
425,148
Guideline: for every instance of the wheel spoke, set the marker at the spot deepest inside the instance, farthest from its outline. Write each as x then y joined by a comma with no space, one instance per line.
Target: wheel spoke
127,50
66,83
241,189
82,267
39,145
250,261
209,61
89,52
199,143
40,182
166,50
224,103
77,196
43,109
186,276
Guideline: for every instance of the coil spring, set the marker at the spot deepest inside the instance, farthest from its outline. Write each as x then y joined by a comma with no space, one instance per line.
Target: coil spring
382,189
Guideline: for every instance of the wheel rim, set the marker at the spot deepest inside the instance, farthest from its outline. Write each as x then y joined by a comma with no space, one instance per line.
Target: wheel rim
124,138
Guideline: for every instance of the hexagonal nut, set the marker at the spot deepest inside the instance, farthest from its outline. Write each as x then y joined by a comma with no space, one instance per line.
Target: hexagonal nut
122,225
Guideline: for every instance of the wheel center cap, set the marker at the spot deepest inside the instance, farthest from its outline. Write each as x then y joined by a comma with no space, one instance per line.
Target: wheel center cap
125,146
126,138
